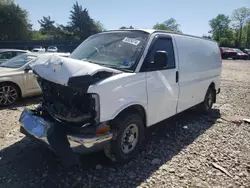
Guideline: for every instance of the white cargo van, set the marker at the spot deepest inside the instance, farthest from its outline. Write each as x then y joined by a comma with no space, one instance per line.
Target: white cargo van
117,83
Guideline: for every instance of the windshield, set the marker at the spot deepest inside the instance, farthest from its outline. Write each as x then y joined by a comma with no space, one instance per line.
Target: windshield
119,50
238,51
18,61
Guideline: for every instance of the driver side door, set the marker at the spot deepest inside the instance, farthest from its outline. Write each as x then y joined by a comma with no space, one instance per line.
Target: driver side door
162,83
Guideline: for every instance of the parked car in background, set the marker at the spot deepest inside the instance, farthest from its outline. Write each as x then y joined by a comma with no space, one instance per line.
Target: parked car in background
52,49
240,54
6,54
117,83
38,49
247,51
17,79
227,53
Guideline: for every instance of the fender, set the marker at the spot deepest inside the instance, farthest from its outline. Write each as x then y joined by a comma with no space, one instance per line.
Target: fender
122,108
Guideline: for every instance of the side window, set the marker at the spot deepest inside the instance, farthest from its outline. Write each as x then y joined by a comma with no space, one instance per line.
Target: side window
6,55
161,44
18,53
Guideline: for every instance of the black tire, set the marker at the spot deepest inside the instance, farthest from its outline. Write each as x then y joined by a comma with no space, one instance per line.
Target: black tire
208,102
234,58
114,151
14,91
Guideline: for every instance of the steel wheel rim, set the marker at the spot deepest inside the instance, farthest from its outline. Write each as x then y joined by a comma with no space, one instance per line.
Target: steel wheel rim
129,138
209,100
8,95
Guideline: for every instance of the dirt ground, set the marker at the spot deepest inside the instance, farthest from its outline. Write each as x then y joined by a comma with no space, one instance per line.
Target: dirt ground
188,150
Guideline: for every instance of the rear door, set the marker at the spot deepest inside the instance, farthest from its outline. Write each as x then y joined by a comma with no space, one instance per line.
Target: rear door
162,84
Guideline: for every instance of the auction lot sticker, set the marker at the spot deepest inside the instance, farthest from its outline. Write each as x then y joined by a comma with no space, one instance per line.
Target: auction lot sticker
131,41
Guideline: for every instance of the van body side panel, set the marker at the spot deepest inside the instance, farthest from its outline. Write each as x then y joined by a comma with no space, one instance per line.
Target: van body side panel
119,92
199,66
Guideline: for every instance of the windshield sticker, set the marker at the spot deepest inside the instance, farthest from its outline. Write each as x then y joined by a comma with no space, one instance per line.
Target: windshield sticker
131,41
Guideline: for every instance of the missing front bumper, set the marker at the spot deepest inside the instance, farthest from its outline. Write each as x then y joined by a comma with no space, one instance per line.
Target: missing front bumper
37,127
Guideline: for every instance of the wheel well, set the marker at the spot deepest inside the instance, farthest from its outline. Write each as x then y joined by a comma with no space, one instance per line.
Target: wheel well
12,83
137,109
212,86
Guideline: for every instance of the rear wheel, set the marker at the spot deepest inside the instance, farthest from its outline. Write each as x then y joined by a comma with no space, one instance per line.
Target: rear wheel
9,94
128,140
208,102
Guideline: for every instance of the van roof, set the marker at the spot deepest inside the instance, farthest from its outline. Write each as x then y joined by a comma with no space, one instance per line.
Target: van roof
151,31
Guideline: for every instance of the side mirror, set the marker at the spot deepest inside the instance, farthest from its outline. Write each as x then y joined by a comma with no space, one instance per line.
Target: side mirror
27,69
160,59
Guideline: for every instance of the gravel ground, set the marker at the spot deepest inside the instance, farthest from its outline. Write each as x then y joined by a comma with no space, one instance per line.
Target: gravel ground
189,150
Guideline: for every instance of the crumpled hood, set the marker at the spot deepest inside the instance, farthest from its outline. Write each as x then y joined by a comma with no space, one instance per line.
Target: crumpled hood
59,69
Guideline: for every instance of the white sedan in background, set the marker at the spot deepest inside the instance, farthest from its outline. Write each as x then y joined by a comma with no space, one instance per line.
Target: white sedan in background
38,49
17,79
52,49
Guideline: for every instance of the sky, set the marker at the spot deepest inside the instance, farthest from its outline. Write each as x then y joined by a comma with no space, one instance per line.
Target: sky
192,15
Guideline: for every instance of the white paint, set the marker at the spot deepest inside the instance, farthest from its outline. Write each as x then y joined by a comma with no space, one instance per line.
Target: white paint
199,64
197,60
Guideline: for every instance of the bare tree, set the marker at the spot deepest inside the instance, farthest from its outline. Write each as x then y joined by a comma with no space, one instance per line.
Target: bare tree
240,16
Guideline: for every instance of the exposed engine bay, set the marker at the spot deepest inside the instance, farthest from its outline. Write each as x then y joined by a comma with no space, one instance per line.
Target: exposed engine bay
67,104
72,104
64,83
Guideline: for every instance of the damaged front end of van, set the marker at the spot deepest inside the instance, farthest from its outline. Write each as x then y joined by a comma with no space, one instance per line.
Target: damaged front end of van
68,118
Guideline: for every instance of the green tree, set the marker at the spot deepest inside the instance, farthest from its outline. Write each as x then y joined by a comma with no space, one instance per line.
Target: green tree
239,16
169,25
81,24
221,31
245,38
37,35
207,36
14,23
99,26
219,26
130,27
248,34
53,31
47,25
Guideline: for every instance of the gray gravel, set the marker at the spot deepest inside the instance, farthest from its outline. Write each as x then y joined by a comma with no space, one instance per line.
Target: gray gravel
189,150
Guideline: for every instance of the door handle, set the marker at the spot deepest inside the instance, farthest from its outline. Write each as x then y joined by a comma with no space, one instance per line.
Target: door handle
177,76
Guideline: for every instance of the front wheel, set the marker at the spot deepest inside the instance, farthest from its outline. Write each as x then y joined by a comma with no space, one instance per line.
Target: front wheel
9,94
128,140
